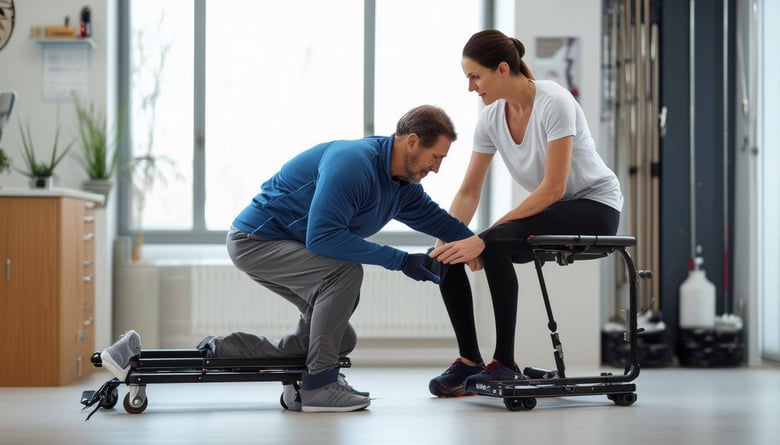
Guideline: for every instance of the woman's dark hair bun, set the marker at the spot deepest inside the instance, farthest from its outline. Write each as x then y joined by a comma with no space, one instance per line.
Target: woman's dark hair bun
519,45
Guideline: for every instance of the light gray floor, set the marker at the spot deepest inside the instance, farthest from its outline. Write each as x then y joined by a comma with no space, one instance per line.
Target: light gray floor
675,406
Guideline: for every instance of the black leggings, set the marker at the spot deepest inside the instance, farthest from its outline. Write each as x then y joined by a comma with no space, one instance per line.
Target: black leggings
506,244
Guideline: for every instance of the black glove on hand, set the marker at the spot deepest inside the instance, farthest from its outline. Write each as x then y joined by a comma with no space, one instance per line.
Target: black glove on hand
417,266
436,267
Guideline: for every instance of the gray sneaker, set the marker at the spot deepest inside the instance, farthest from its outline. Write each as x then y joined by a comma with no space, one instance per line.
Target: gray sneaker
333,397
116,358
343,380
291,398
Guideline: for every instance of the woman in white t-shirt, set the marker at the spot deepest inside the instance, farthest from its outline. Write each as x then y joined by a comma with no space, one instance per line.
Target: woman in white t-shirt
540,132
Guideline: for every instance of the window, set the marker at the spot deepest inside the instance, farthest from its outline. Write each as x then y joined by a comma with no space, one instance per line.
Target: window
422,65
161,104
225,91
275,87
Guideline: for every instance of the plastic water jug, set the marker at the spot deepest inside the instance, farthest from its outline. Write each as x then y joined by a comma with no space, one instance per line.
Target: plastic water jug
697,299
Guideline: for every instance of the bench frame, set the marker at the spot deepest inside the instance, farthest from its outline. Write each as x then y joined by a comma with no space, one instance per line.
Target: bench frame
564,250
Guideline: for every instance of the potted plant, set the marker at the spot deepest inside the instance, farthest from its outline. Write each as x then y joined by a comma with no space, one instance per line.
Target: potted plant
144,171
97,160
40,172
5,163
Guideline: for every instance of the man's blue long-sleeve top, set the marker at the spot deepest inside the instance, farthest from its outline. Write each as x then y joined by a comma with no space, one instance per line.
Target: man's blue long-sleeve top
334,195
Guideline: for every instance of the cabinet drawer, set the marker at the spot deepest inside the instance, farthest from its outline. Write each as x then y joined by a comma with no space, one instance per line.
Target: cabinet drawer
50,243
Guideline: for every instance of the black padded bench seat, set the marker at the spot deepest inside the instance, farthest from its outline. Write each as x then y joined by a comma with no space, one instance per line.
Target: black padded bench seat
565,249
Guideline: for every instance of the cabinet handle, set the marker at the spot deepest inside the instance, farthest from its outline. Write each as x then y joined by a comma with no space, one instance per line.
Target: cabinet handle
87,278
7,269
86,263
88,236
89,219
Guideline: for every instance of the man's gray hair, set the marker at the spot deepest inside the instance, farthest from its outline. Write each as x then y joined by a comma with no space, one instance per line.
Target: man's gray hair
428,122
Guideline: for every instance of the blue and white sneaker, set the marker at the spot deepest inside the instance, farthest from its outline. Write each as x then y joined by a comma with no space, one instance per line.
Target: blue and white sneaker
451,383
494,372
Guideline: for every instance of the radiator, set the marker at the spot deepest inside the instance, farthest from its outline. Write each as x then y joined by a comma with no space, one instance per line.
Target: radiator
193,300
225,300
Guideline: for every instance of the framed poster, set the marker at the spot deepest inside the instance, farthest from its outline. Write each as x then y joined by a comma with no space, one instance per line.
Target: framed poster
558,59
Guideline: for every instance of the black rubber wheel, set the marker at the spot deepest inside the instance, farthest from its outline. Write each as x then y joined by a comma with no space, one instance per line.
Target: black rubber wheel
519,403
623,399
134,409
281,400
111,398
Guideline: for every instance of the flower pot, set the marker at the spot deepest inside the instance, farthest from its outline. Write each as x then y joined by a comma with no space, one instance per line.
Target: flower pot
136,255
99,186
42,182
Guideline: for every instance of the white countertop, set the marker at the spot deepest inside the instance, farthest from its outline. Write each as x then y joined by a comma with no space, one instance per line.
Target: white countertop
50,193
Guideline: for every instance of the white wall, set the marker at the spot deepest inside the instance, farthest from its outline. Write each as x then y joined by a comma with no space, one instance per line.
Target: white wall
768,304
21,63
21,70
746,233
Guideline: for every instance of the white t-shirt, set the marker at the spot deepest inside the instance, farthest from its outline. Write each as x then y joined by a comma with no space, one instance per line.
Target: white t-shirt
555,114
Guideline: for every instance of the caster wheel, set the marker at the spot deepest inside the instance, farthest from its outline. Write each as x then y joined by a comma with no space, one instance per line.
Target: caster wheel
520,403
137,406
111,398
281,400
624,399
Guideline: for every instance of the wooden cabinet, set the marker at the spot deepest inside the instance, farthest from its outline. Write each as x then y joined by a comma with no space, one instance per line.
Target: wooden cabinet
47,289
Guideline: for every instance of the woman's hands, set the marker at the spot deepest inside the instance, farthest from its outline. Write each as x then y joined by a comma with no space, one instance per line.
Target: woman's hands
466,251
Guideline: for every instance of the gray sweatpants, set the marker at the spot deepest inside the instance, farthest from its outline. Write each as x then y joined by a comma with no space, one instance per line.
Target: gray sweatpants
325,291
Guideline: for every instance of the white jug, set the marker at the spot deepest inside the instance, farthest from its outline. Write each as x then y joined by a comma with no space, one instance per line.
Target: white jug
697,299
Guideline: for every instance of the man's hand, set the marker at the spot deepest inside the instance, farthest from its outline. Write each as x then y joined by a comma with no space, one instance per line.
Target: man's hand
418,267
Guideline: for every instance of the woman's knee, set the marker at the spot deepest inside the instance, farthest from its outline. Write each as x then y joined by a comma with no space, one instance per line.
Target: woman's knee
498,234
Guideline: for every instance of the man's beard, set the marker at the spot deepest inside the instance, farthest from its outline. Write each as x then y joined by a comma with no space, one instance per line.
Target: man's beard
409,174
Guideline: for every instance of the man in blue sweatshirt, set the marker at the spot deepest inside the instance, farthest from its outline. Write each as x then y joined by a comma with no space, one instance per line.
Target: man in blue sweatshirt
304,237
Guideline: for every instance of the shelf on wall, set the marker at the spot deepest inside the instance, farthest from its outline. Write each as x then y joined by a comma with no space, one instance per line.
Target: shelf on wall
79,41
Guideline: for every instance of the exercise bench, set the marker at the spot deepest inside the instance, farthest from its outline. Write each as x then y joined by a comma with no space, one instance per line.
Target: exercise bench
190,366
564,250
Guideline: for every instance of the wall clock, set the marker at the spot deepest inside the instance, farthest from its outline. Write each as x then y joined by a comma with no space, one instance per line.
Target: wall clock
7,17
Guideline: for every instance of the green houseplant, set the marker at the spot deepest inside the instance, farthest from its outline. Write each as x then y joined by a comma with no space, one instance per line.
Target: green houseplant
98,160
5,163
41,172
144,171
